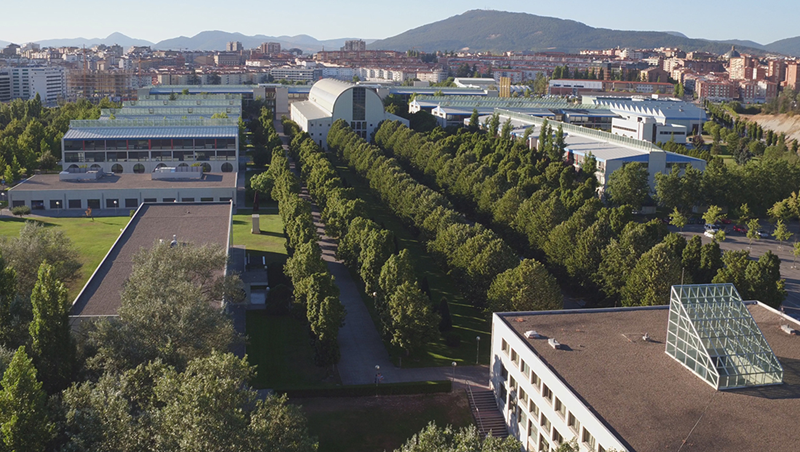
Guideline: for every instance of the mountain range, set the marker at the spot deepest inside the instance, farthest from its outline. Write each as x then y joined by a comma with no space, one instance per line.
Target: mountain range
476,30
206,40
483,30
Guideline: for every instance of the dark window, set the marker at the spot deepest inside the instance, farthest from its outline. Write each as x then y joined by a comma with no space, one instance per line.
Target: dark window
187,199
227,167
95,156
116,168
138,168
116,156
138,156
168,200
17,203
206,168
73,145
224,199
55,204
74,203
117,144
131,202
150,200
70,157
207,199
359,104
112,203
93,203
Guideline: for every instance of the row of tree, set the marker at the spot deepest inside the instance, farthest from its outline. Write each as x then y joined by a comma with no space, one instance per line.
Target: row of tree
474,255
406,315
264,137
316,295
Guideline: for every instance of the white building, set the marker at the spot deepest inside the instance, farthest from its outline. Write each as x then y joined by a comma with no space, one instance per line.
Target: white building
294,74
50,82
331,99
653,120
709,372
479,83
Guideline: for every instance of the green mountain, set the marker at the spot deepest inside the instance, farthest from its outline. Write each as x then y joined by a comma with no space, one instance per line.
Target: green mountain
788,46
481,30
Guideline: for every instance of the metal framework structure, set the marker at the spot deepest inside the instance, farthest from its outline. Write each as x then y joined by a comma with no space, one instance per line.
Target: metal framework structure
713,334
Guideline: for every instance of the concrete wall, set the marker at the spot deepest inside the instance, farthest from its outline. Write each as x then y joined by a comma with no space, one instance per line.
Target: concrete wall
121,195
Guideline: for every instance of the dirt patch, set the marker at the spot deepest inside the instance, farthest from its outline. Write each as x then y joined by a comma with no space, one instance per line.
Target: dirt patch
790,125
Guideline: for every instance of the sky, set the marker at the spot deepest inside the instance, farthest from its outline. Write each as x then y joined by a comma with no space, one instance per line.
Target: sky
156,20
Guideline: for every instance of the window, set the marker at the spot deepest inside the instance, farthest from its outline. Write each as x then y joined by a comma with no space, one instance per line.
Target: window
187,199
560,408
547,393
545,423
74,204
504,346
525,368
512,383
515,357
359,104
601,448
93,203
150,200
574,423
206,199
55,204
131,202
533,409
168,200
503,371
535,380
224,199
557,438
543,444
138,168
588,439
523,397
112,203
227,167
521,417
116,168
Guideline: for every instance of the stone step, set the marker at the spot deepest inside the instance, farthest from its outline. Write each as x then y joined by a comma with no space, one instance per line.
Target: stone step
487,416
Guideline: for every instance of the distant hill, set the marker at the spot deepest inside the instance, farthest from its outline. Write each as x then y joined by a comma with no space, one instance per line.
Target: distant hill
788,46
113,38
743,43
217,40
481,30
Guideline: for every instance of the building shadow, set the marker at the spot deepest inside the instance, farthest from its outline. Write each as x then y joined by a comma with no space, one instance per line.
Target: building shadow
790,389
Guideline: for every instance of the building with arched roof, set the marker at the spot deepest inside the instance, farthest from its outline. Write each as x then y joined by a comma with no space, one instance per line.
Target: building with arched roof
331,99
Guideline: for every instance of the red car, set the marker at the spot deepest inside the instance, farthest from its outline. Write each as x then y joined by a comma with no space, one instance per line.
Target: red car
725,221
741,229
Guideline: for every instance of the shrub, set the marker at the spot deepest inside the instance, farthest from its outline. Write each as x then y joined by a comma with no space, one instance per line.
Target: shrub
21,210
452,340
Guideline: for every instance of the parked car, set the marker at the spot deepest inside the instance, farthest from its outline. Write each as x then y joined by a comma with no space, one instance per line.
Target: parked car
666,220
725,221
738,228
712,227
709,233
761,233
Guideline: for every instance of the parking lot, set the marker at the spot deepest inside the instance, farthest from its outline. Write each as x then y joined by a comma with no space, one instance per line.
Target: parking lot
738,241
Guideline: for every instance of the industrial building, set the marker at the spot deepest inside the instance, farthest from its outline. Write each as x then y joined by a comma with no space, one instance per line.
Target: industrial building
708,372
330,100
611,151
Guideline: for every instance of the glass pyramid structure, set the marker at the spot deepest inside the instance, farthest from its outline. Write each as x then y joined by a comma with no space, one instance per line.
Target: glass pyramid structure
713,334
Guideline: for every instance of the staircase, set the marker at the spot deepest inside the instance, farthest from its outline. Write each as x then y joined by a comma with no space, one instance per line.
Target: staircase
487,416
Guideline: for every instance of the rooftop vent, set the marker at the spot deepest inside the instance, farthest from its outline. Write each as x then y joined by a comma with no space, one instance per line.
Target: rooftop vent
554,343
174,241
789,330
532,334
712,333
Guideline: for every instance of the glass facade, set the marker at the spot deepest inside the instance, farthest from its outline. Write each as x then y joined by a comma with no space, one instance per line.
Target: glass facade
713,334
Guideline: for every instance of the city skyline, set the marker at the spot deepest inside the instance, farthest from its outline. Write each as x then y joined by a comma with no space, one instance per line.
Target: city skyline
335,21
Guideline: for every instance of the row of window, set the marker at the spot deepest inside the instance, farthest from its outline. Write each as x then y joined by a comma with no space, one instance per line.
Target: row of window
167,143
130,203
524,402
160,156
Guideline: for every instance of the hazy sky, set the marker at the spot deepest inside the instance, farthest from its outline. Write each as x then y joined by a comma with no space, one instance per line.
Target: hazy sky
764,21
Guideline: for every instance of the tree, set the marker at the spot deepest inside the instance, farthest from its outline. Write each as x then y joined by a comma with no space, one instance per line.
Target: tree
752,230
437,439
8,293
413,323
494,124
170,315
713,215
527,287
781,233
446,322
650,280
24,424
34,245
474,121
51,342
690,259
677,219
209,406
710,262
628,185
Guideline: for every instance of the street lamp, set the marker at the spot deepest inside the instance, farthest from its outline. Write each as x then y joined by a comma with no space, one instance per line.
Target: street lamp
115,206
454,370
478,349
377,378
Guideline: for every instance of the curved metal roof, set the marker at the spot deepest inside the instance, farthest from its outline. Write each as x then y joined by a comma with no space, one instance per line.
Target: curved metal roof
325,92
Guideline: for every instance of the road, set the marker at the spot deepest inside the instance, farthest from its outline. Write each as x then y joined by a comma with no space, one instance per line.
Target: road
738,241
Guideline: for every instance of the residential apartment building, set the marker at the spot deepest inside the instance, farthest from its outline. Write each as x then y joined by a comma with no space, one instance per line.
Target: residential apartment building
792,76
716,90
270,48
234,46
354,45
5,85
708,372
295,74
50,82
227,59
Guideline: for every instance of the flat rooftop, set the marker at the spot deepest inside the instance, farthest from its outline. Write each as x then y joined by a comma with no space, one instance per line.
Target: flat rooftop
125,181
649,399
206,223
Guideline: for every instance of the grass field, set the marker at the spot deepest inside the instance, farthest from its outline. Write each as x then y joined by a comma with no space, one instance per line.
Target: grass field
269,243
468,321
380,423
92,239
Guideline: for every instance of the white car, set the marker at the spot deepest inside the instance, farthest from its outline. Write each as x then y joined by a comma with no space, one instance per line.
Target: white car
709,233
761,233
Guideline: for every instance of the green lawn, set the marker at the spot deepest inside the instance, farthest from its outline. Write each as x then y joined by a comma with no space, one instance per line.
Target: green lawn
92,239
280,348
468,321
270,242
380,423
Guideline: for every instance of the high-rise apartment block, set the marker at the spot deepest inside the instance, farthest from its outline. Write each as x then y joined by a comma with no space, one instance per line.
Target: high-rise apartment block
5,86
792,74
270,48
354,45
50,82
234,46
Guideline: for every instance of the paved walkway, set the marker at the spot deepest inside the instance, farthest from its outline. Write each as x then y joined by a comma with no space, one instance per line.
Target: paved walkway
359,342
